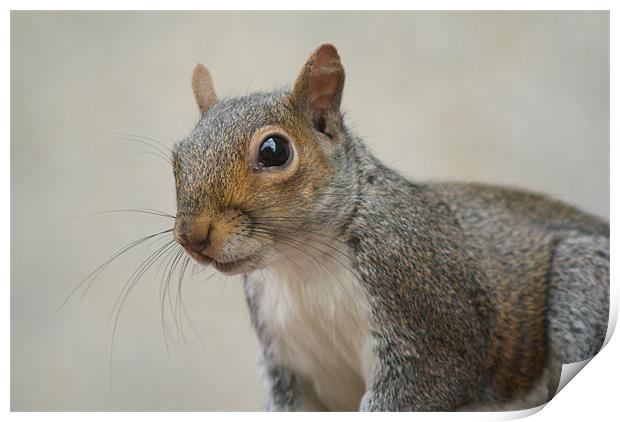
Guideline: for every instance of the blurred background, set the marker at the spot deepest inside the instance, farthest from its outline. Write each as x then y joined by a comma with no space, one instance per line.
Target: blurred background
512,98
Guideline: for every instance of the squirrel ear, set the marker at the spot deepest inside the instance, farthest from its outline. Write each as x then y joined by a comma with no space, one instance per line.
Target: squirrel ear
202,85
319,87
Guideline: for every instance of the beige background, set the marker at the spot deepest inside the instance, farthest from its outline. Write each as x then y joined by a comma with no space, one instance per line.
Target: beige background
510,98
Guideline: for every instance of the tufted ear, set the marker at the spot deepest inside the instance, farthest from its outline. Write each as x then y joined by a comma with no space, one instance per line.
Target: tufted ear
318,88
202,85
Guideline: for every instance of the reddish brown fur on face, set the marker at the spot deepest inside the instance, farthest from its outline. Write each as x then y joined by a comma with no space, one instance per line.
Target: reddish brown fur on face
236,186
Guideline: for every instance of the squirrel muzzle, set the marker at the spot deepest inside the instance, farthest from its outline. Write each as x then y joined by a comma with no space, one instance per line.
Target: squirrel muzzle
211,236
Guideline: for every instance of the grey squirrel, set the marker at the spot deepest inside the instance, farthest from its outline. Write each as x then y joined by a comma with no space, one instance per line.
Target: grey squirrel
369,291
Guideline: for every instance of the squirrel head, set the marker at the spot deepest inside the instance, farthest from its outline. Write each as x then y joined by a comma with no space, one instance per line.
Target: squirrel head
257,174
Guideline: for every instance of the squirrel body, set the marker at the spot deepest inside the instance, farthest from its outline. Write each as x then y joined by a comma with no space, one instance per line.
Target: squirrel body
371,292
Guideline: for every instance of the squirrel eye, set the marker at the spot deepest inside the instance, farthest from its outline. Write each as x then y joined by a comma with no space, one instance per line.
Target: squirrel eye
274,151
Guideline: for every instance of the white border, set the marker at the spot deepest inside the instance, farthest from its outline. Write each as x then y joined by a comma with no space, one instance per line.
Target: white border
311,5
593,392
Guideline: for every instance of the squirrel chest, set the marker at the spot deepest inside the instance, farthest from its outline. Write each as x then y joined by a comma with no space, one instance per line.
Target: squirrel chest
317,318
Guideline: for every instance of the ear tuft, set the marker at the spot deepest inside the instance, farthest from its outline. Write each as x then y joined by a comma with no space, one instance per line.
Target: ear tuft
319,87
202,85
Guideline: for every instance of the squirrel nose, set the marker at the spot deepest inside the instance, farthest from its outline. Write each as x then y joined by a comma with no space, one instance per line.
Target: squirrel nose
192,235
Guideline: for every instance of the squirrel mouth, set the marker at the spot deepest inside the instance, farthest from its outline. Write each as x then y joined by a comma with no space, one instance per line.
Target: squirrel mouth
238,266
199,257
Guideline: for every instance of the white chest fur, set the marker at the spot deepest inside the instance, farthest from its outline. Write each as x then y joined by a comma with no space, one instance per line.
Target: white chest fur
318,318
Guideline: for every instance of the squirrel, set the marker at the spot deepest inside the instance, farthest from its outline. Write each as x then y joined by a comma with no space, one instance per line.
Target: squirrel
371,292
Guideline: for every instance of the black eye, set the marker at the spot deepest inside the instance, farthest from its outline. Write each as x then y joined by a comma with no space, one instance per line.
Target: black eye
274,151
